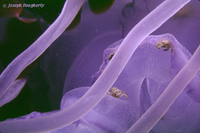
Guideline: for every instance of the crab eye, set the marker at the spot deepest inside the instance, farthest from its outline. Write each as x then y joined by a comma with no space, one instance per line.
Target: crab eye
111,55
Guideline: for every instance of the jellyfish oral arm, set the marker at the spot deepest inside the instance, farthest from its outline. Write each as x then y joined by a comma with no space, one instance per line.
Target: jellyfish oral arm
149,119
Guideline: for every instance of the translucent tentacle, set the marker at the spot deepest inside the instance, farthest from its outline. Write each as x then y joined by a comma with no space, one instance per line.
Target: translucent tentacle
13,70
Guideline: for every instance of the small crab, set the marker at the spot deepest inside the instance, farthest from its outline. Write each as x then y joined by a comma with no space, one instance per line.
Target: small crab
115,92
165,44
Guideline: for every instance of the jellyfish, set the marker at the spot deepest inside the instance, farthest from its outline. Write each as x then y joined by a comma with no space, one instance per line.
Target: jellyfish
76,105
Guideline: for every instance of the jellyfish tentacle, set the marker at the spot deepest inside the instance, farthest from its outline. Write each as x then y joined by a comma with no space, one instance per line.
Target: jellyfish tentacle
13,70
12,91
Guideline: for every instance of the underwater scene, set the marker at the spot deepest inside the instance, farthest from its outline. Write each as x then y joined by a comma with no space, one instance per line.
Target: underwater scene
100,66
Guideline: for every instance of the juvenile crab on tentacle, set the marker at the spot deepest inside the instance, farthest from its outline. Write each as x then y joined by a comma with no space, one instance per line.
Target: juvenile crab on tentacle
115,92
165,44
